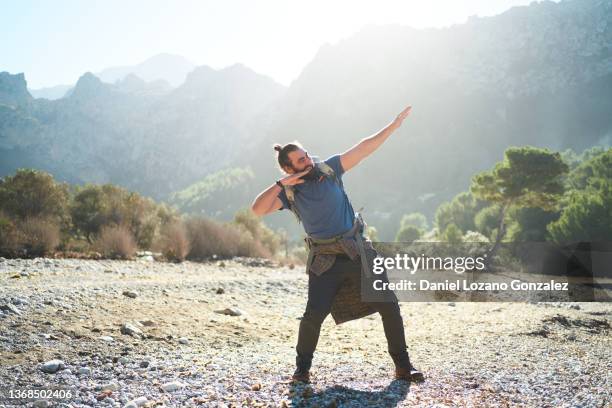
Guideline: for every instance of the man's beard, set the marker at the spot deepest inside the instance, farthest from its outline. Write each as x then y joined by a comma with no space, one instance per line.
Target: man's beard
311,175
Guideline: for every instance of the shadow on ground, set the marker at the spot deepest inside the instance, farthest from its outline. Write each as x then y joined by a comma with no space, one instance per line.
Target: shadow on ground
341,396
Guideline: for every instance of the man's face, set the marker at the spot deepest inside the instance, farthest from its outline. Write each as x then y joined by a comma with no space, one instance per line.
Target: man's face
300,161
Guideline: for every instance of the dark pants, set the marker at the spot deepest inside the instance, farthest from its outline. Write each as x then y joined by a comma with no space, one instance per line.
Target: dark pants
321,292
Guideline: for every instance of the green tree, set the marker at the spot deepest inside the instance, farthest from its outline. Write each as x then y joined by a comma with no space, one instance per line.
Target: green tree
452,234
460,211
588,217
96,206
416,219
34,194
408,233
529,224
587,209
527,177
595,167
487,220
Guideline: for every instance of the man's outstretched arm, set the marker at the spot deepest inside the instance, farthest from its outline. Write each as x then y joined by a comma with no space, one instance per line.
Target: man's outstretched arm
365,147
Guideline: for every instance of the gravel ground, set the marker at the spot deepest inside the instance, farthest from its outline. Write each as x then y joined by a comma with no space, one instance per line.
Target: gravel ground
222,334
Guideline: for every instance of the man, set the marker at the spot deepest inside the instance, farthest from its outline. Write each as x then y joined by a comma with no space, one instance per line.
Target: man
328,219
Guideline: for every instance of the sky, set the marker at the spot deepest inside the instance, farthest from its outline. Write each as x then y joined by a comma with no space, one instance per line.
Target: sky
55,42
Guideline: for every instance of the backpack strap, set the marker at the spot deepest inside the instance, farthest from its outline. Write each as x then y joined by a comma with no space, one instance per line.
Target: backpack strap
329,172
290,193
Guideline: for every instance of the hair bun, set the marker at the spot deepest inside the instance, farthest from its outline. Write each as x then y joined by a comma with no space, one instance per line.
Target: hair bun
278,147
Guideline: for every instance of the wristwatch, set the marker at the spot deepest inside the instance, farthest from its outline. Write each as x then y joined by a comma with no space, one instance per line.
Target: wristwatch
278,183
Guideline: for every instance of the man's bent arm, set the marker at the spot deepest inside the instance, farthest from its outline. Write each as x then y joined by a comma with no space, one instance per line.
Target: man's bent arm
267,201
367,146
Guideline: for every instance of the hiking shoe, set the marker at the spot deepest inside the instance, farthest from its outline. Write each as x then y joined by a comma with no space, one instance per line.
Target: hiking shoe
301,376
409,373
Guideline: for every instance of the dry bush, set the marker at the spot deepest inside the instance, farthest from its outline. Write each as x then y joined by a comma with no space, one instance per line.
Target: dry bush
38,236
173,242
9,238
208,238
116,242
247,221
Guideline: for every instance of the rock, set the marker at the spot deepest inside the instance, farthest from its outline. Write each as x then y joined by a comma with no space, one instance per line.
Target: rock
138,402
172,386
184,340
220,291
40,404
19,301
111,386
147,323
84,371
103,395
52,366
230,311
123,360
130,293
131,330
144,364
107,338
9,308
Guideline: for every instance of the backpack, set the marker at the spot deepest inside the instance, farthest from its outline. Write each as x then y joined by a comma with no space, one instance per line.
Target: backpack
327,172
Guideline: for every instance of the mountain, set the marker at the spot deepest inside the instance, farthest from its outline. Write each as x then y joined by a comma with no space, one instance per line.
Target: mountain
145,136
538,74
51,93
169,67
14,90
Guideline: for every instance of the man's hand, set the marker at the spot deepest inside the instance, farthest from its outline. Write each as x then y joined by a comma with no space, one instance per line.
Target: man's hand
294,178
365,147
267,201
402,115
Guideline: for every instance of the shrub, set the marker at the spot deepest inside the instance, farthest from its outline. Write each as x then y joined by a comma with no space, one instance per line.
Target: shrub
174,241
209,238
38,236
9,240
247,220
116,241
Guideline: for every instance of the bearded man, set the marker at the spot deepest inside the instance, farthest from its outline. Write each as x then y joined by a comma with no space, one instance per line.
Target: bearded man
338,250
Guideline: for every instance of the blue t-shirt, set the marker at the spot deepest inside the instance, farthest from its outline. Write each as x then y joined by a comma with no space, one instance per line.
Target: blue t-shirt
324,208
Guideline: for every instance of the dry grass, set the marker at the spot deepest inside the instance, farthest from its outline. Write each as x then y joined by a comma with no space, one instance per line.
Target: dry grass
209,238
174,242
116,242
38,236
